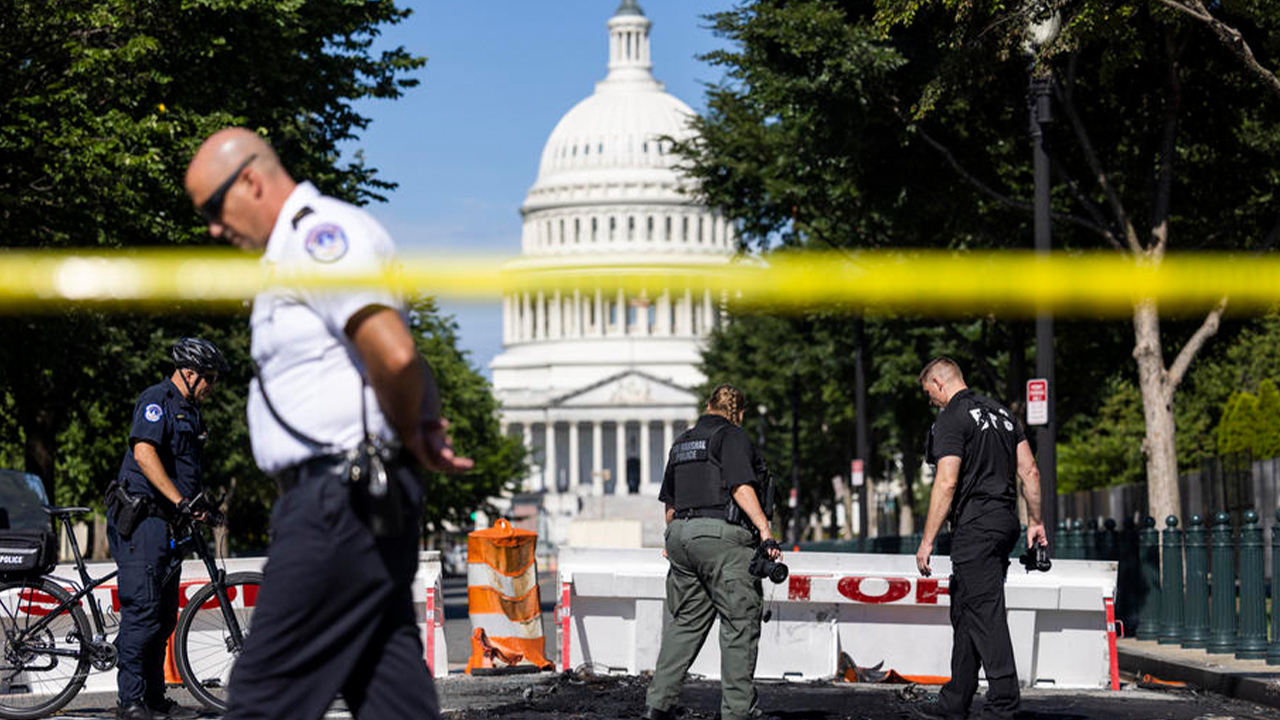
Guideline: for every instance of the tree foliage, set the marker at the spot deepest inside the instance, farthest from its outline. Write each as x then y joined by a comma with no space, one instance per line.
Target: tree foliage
102,102
903,123
1104,447
1249,358
1238,430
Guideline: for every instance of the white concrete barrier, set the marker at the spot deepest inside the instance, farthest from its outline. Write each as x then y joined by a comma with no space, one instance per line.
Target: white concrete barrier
876,608
427,592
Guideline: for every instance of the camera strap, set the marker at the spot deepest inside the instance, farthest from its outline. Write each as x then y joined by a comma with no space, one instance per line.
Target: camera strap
295,432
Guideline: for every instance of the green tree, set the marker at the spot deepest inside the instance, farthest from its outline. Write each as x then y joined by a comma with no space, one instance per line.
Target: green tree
1249,358
812,143
1104,447
1237,433
472,411
1267,440
103,104
837,116
1155,98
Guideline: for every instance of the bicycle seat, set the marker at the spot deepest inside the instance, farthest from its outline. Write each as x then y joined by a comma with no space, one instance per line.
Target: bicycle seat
55,511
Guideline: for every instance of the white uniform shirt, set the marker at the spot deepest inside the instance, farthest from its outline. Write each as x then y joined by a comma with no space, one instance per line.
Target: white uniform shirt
310,368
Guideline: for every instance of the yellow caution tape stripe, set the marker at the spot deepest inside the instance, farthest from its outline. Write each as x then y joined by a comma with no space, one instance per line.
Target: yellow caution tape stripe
925,282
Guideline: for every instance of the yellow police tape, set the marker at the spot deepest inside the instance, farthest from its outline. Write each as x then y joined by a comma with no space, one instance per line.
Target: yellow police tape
920,282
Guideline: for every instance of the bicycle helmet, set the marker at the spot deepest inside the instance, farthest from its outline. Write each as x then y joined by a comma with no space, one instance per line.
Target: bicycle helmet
200,355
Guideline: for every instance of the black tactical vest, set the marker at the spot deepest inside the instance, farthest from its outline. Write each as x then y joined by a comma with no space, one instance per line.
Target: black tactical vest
697,472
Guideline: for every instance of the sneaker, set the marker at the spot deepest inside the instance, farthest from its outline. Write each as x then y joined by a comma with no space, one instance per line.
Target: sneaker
166,709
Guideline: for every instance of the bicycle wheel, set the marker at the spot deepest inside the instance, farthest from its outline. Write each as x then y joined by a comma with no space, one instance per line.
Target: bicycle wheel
44,654
205,646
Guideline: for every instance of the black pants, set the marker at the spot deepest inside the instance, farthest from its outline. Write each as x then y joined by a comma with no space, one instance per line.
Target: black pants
148,610
979,562
335,612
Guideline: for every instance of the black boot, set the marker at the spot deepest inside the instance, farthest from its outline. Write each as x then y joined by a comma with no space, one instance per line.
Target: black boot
134,711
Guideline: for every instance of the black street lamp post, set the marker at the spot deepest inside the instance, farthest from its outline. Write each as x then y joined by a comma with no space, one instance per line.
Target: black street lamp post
1046,435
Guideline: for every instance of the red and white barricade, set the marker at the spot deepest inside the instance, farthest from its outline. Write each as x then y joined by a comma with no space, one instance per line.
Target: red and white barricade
875,608
427,593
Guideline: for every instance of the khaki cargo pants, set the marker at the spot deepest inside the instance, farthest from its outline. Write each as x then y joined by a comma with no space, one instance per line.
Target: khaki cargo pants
709,579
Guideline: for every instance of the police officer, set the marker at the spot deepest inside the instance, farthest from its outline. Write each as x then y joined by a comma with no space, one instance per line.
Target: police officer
710,467
161,466
337,371
980,452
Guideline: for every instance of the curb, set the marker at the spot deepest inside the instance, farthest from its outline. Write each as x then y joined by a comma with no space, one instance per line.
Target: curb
1262,688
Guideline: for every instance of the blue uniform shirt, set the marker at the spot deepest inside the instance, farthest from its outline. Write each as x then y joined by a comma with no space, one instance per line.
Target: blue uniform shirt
172,424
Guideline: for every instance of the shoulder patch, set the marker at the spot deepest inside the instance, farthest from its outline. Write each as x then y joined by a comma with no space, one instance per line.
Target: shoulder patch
326,243
153,413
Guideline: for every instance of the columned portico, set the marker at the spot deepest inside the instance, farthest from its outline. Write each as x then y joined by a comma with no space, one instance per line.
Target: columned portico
597,458
549,479
646,455
615,403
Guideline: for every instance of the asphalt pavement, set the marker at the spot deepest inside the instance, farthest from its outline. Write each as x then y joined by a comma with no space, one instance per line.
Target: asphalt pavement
557,696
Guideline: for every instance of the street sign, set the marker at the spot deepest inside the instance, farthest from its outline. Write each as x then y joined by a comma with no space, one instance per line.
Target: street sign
1038,402
855,472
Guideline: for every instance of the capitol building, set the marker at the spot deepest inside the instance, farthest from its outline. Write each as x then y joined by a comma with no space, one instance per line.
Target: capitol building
599,381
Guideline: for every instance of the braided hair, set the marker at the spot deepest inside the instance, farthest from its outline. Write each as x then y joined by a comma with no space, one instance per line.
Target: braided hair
729,401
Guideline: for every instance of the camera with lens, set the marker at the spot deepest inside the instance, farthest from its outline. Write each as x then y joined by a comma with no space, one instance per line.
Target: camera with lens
763,567
1036,558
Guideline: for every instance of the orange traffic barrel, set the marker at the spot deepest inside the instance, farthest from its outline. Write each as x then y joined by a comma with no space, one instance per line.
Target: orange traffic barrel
502,596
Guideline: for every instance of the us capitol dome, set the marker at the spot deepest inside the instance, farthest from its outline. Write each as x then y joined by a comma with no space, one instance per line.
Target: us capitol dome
597,380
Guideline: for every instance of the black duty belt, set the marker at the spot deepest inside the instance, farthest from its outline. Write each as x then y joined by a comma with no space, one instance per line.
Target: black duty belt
321,466
327,466
701,512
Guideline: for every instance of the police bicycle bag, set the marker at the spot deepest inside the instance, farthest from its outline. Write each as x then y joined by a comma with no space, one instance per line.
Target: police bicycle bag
28,541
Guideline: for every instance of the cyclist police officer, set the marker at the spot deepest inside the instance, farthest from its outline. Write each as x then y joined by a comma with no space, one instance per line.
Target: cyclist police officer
161,466
338,370
980,452
710,466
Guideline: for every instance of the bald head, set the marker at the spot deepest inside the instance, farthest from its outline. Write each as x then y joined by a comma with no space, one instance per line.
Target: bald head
941,379
237,183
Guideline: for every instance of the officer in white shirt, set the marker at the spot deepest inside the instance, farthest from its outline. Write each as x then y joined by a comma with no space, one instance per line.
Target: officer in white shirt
335,368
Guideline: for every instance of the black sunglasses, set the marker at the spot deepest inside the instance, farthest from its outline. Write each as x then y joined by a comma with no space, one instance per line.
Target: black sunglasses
211,209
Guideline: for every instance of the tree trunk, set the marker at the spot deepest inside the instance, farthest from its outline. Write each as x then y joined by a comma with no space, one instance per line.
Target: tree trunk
98,546
40,450
221,535
848,512
1157,406
910,466
1015,382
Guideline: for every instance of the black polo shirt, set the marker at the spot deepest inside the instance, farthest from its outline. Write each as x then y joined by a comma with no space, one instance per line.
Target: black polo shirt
683,484
985,436
167,420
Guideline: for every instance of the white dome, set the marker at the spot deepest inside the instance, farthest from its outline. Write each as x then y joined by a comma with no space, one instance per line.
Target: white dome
608,183
619,128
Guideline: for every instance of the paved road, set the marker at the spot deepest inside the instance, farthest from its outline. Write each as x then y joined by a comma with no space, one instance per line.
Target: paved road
555,697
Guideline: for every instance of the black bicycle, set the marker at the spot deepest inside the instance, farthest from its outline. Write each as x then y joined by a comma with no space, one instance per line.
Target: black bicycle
50,644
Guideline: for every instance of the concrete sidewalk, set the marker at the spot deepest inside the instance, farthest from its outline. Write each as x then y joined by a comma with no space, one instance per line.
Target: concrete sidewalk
1250,680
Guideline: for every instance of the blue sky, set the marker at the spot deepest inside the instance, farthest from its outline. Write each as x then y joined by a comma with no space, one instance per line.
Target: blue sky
464,145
